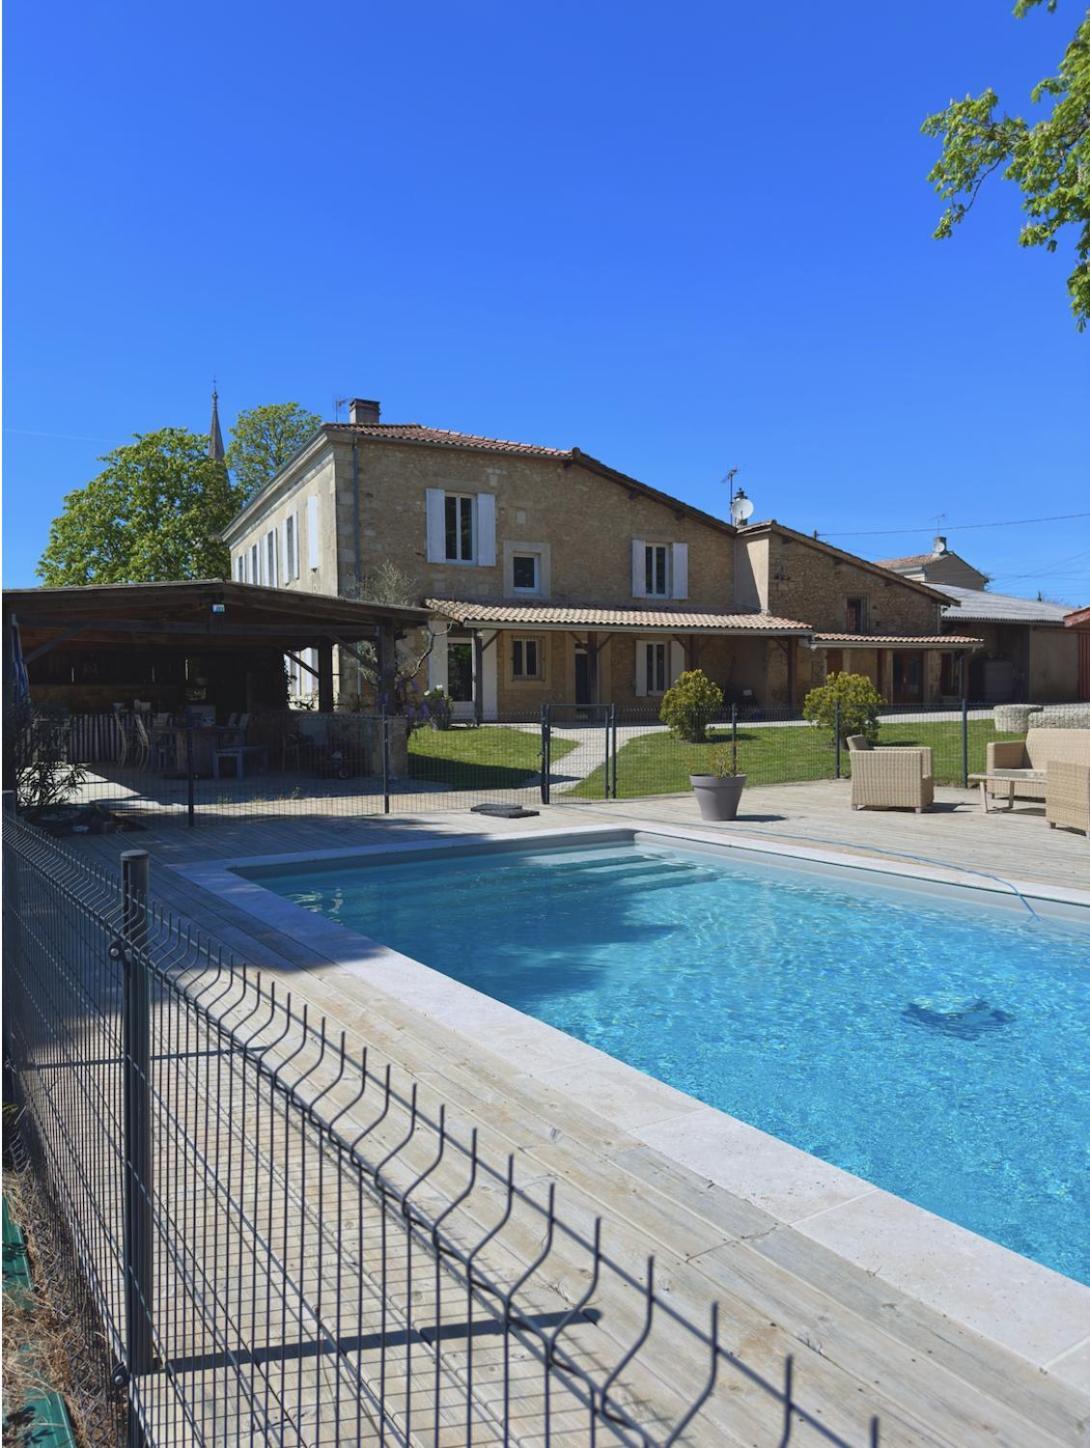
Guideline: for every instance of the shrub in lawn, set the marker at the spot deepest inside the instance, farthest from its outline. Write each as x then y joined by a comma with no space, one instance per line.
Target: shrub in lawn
857,698
690,705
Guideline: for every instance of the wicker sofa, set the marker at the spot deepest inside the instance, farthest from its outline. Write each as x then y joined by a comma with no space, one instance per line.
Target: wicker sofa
1039,749
1067,795
892,779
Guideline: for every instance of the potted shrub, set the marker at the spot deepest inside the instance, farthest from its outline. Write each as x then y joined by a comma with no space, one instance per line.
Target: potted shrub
719,792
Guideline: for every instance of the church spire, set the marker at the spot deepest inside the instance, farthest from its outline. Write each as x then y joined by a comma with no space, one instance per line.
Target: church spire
215,437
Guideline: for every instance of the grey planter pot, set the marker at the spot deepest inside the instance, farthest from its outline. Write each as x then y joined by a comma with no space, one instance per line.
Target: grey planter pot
718,798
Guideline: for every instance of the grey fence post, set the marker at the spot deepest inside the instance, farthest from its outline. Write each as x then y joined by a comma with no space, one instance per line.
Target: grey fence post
13,922
734,738
836,727
136,1037
546,753
190,778
613,740
385,763
965,742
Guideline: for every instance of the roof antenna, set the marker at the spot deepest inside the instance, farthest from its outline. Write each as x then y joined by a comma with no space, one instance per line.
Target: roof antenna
740,506
338,403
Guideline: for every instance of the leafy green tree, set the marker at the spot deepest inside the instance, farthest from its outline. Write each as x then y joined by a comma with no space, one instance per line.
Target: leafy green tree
1048,159
154,513
856,698
262,441
690,704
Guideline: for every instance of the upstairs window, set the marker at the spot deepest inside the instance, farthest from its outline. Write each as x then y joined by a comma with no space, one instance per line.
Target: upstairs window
855,611
525,573
255,564
271,558
240,568
291,549
657,570
459,527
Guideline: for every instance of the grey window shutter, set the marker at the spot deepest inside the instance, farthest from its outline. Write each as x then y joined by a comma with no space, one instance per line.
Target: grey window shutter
437,525
639,568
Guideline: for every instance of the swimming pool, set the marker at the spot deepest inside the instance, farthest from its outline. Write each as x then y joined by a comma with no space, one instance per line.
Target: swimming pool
935,1048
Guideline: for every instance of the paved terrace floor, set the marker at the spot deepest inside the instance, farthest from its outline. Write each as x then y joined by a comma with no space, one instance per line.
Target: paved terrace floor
861,1342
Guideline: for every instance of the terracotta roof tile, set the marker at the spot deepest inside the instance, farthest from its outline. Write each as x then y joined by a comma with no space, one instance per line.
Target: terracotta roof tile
922,641
443,437
595,616
914,560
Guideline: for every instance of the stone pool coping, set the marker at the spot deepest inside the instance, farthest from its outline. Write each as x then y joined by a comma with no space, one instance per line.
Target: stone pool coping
1025,1307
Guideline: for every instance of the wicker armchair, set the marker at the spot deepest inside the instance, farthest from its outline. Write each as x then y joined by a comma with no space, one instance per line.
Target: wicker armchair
1067,796
892,779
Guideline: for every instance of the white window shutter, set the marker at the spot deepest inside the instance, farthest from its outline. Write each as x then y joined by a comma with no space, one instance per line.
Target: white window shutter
641,669
312,531
639,571
296,556
680,570
677,660
437,664
435,507
486,529
285,551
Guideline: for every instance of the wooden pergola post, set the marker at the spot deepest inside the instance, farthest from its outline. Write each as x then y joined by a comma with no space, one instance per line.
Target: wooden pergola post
386,648
325,676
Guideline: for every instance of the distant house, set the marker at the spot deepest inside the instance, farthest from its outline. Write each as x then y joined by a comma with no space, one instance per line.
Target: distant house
1079,621
552,577
1025,655
939,567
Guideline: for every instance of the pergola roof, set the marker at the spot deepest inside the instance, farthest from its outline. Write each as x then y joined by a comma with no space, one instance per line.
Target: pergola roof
204,614
645,620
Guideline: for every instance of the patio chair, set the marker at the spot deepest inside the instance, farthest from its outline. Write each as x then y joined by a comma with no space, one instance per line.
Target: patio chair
892,779
1067,796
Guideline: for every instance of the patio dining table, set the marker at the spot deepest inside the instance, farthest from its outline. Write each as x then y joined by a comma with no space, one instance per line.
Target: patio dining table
1009,777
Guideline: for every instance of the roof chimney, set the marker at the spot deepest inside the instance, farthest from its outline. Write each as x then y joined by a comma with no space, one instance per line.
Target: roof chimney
362,411
939,545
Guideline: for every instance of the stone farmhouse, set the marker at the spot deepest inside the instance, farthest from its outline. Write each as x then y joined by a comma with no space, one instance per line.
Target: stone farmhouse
552,577
1025,653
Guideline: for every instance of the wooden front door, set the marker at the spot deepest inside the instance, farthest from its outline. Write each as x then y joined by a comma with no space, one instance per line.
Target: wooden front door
908,668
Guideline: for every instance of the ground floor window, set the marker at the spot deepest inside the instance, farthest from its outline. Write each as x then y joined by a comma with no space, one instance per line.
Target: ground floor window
950,676
526,660
655,664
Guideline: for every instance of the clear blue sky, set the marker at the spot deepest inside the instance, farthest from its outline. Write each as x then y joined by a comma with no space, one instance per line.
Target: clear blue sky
681,237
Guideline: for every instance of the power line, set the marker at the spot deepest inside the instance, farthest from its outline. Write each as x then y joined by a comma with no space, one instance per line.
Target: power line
955,527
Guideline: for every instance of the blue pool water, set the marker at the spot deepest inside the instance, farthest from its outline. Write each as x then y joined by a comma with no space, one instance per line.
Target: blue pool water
940,1050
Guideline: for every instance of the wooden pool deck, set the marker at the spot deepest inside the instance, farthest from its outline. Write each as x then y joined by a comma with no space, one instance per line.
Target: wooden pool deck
862,1344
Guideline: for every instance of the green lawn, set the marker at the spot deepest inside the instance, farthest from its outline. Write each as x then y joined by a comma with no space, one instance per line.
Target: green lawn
660,764
489,757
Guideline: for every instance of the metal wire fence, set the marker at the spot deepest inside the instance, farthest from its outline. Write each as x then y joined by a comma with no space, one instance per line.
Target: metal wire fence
285,1239
126,772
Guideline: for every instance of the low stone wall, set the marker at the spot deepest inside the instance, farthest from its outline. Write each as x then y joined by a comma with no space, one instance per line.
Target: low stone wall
1018,718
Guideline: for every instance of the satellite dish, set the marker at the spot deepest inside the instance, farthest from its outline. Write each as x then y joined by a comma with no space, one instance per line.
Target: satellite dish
740,508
